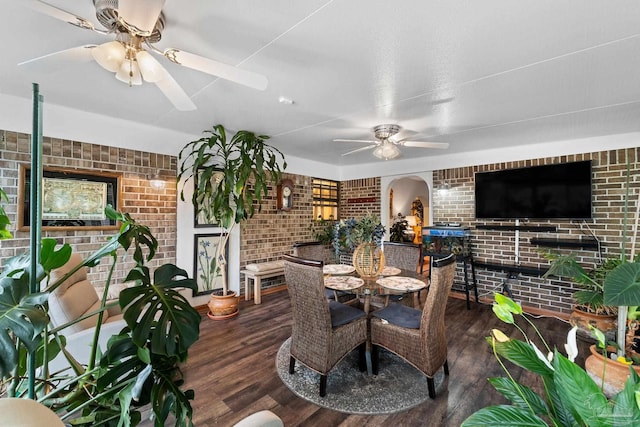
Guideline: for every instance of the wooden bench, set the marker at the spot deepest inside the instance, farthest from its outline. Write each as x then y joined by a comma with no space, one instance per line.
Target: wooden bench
257,272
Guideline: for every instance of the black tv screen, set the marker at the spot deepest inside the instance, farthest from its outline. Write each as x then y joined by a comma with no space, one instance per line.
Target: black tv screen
561,191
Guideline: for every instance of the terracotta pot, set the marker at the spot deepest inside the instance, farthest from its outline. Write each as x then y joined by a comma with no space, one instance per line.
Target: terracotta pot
223,306
608,324
368,260
615,373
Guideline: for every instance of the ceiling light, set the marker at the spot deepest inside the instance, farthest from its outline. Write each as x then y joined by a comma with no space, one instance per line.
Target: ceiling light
109,55
129,73
156,182
150,68
386,151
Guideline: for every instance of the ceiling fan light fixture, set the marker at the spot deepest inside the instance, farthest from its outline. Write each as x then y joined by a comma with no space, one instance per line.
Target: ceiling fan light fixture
109,55
129,73
152,71
386,151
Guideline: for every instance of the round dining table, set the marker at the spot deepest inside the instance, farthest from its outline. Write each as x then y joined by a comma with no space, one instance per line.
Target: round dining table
392,281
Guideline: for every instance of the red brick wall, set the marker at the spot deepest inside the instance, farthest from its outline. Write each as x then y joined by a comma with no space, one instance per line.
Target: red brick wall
493,246
359,197
151,207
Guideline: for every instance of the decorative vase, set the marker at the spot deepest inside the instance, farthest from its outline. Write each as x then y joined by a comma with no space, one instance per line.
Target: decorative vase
368,259
615,373
607,323
223,306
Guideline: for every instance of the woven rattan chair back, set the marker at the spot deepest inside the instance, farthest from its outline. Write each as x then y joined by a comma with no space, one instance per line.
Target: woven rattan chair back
310,311
405,256
432,328
424,347
309,250
314,341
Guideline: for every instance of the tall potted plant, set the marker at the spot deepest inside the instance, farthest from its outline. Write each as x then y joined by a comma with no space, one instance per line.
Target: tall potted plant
233,176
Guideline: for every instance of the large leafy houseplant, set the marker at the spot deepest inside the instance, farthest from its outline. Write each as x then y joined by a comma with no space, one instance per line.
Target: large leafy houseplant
590,297
140,364
232,176
569,398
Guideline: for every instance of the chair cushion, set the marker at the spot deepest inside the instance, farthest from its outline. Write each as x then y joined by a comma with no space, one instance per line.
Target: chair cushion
400,315
265,266
341,314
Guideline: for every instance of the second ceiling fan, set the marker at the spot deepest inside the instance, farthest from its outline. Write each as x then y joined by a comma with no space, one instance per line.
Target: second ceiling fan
387,148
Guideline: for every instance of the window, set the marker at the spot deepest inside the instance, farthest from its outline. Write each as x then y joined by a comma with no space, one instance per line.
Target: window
325,199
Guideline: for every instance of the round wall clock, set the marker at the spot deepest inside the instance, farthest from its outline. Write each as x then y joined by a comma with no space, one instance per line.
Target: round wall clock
285,195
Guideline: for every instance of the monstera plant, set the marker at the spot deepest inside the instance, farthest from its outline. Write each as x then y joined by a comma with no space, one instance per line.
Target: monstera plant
140,364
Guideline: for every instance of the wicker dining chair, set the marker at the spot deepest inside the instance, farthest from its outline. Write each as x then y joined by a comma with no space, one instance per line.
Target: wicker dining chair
405,256
323,332
315,251
309,250
418,336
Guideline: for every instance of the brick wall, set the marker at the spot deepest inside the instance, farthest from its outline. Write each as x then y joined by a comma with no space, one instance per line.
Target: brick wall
493,246
359,197
151,207
271,233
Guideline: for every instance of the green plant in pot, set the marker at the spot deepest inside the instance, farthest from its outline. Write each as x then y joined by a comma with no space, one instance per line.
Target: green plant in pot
140,364
590,308
569,397
233,176
398,230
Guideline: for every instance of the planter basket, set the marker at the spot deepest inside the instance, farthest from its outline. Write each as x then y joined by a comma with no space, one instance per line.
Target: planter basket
368,259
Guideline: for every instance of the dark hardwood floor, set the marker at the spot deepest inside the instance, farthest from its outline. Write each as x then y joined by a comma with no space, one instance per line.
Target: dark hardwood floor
232,369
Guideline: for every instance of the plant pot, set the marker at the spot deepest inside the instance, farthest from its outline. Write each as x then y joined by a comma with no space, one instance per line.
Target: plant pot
223,306
368,259
607,323
615,373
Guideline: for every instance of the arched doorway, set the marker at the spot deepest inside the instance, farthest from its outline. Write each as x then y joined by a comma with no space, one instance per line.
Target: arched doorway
404,195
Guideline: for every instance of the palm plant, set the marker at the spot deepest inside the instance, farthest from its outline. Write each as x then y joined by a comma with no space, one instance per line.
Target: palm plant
232,175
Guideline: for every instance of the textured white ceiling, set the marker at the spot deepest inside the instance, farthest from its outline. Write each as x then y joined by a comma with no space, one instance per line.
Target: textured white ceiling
482,75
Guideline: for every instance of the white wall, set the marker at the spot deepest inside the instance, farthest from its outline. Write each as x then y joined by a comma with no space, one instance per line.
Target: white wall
185,244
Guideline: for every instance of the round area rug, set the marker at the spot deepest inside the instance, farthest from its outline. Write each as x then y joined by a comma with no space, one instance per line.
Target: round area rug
397,387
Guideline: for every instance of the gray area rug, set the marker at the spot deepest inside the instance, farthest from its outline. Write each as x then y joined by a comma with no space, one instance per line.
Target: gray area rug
397,387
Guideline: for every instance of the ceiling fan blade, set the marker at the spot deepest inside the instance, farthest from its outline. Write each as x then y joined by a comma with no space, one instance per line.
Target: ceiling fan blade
58,13
355,140
359,149
218,69
59,60
425,144
140,15
172,90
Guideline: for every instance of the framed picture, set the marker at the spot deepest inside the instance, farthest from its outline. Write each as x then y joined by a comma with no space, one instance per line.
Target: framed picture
71,199
206,267
203,218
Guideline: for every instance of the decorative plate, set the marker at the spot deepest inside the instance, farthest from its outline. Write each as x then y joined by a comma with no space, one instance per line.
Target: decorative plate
400,283
343,283
338,269
390,271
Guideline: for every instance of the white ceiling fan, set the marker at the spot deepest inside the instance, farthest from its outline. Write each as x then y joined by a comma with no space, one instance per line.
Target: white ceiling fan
387,148
137,25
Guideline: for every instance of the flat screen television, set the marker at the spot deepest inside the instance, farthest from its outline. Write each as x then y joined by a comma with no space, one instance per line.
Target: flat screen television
560,191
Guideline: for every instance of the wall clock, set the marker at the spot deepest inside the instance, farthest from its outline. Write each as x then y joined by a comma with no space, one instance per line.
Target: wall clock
285,195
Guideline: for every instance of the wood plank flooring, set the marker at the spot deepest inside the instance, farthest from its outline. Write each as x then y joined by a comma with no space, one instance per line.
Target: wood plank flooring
232,369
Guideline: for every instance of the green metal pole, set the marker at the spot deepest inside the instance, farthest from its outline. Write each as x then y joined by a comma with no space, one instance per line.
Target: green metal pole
35,214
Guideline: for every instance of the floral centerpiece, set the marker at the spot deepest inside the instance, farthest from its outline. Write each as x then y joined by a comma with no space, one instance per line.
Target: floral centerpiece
362,239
